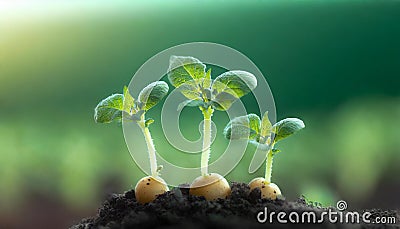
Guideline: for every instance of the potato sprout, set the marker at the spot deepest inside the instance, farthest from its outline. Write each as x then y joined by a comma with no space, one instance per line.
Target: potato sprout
190,77
112,109
264,135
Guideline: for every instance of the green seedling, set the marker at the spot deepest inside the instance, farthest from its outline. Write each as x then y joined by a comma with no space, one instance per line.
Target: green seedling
190,77
264,135
118,106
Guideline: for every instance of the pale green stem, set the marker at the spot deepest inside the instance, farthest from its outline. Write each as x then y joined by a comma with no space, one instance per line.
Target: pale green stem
268,166
205,154
150,147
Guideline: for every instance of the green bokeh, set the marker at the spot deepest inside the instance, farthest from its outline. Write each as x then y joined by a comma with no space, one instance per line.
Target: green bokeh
335,65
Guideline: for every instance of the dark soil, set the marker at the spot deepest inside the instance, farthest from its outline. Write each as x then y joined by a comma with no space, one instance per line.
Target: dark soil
177,209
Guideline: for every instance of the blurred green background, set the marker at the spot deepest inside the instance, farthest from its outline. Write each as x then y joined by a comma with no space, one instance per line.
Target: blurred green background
334,64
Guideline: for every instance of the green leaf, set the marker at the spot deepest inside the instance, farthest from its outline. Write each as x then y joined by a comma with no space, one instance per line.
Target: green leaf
230,86
254,122
266,126
129,101
263,147
237,131
190,90
238,83
190,103
159,168
148,122
185,68
152,94
275,151
207,94
223,101
243,127
109,109
207,79
287,127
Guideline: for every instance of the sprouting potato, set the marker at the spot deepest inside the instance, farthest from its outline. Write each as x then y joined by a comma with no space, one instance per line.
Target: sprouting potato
111,109
148,188
195,83
264,135
212,187
268,190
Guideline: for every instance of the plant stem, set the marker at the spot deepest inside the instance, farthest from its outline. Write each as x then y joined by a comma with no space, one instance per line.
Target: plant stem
268,166
205,154
150,146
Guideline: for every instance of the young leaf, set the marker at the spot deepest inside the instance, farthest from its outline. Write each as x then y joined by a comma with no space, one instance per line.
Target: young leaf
190,90
230,86
223,101
159,168
287,127
266,126
148,122
152,94
243,127
109,109
129,101
190,103
238,131
207,94
237,83
185,68
207,79
262,147
275,151
254,122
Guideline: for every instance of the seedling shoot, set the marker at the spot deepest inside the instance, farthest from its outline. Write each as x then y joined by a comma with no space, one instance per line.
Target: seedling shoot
264,135
112,108
190,77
